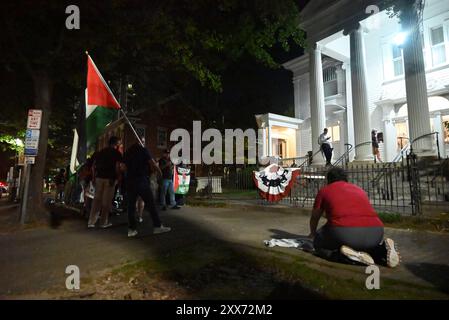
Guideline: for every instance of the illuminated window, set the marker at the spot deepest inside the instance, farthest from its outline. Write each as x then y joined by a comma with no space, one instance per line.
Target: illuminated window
446,130
334,132
438,46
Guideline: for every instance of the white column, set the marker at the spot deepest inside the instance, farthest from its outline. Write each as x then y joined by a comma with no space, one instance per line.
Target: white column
438,127
359,94
389,131
270,144
415,82
317,106
264,142
296,90
349,113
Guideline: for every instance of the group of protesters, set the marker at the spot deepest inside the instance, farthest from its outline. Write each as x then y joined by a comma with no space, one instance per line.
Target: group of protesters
130,171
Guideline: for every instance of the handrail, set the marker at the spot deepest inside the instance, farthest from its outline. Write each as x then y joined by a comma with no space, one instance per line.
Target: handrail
313,156
439,168
400,155
426,135
344,155
294,158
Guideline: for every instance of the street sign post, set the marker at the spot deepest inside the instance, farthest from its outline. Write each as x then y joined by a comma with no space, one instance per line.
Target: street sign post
31,142
34,119
31,148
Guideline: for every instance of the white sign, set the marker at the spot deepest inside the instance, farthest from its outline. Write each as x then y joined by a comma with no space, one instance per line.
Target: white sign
34,119
30,160
31,142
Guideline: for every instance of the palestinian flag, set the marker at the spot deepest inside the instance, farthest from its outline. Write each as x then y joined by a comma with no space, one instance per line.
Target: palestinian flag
101,105
274,182
181,180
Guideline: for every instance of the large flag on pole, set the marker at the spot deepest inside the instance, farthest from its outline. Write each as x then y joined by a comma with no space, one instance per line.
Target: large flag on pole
99,92
97,118
101,105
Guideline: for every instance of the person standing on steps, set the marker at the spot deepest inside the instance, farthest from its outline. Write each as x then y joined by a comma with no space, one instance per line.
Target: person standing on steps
375,145
326,146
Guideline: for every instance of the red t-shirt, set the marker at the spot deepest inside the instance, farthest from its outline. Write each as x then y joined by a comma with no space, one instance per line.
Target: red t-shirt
346,205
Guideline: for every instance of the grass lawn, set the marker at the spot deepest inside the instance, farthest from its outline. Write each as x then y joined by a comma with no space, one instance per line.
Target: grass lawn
215,270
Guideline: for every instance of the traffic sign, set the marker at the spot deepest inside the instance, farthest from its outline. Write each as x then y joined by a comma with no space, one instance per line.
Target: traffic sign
30,160
31,142
34,119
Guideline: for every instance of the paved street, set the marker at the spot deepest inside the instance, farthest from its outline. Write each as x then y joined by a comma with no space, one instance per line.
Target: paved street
33,260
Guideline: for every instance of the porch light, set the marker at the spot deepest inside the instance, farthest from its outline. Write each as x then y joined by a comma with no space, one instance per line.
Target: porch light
399,38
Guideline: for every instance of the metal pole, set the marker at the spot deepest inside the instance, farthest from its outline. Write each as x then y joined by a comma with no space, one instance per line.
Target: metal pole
132,128
23,213
438,146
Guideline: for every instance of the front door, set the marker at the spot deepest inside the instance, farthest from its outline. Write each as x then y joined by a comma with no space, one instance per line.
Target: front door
280,148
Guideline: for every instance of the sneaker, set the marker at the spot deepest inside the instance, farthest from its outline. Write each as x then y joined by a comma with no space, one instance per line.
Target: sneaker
357,256
393,258
132,233
107,225
140,219
161,229
90,226
175,207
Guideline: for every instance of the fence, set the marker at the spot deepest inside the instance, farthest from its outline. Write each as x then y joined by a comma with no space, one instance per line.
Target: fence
402,187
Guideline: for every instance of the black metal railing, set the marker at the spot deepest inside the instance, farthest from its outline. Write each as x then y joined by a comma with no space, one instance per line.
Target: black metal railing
343,160
424,136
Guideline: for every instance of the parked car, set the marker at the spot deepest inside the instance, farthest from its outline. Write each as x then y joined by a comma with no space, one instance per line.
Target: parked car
3,187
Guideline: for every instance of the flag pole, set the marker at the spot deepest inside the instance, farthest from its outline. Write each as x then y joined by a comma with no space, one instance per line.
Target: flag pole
132,127
121,109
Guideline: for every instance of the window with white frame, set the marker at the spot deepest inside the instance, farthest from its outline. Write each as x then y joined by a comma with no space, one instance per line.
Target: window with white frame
438,46
334,132
398,65
330,81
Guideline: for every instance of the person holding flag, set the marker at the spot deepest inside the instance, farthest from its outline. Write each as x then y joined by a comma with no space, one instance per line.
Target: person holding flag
99,97
138,160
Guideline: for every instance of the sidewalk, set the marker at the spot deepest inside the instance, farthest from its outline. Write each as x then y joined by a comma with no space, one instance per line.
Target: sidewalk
32,261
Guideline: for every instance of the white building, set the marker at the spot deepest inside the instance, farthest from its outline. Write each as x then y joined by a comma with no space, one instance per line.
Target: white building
358,74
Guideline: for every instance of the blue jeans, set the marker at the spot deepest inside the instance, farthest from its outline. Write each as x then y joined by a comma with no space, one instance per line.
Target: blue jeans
167,185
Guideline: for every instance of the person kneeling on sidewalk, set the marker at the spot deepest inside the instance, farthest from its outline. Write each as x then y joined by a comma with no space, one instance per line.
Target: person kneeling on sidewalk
353,230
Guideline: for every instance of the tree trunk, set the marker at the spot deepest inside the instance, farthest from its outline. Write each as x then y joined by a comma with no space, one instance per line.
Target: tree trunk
43,90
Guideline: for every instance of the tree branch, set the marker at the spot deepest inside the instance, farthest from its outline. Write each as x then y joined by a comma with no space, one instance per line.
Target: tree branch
16,47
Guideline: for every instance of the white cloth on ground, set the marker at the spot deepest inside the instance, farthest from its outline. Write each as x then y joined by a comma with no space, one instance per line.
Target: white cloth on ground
300,243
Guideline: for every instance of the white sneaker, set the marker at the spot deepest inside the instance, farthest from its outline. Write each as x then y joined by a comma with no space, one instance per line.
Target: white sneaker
393,258
107,225
140,219
132,233
90,226
161,229
357,256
